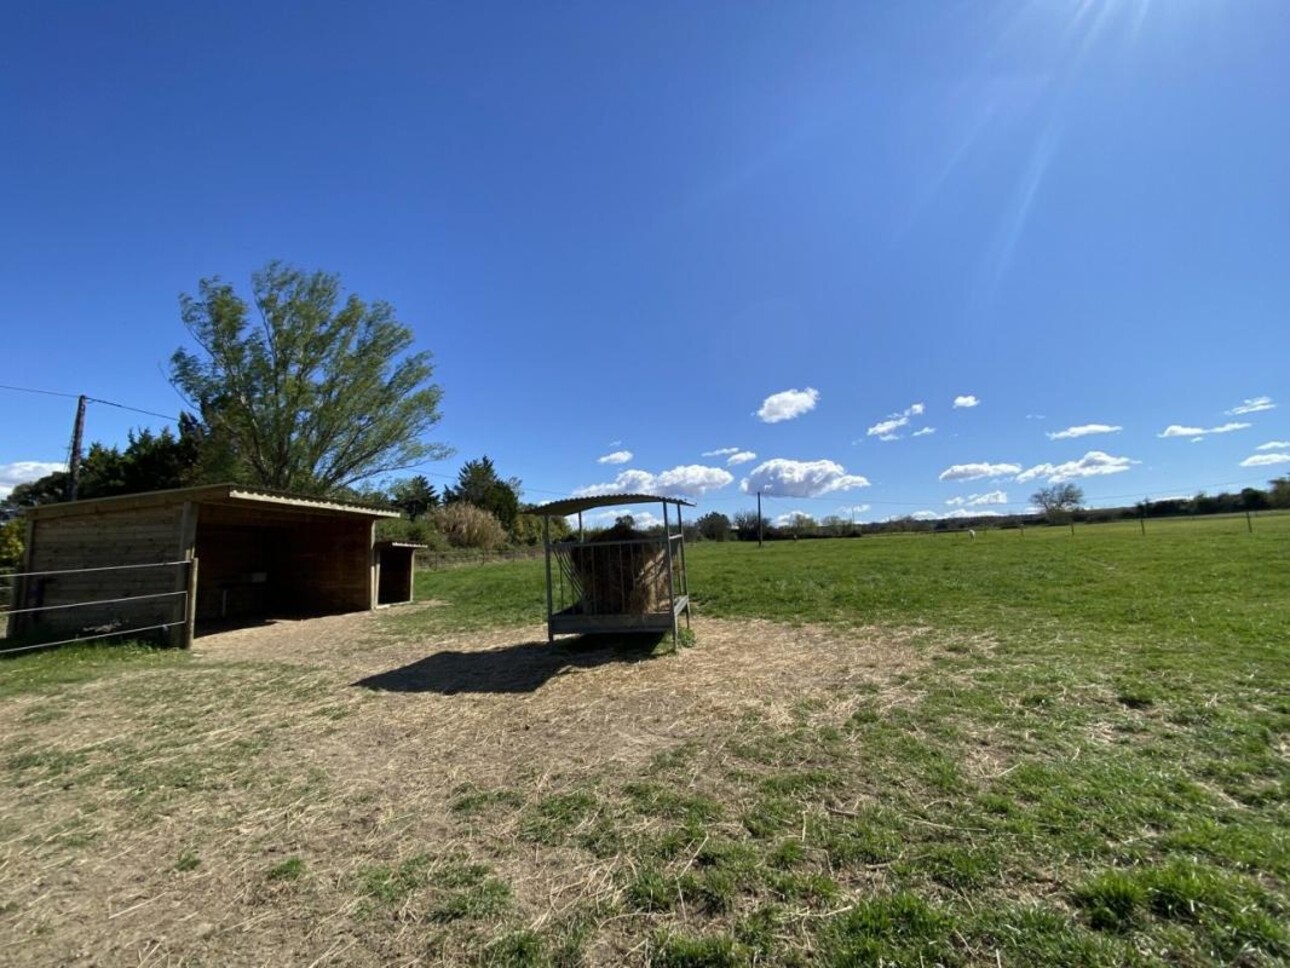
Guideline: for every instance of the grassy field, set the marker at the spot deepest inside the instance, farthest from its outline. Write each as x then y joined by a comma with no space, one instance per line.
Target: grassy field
905,750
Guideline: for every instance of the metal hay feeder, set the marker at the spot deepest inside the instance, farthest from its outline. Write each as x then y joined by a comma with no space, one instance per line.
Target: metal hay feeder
636,585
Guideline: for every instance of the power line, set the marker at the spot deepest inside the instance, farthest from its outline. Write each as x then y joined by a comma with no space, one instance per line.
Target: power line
47,393
122,406
89,399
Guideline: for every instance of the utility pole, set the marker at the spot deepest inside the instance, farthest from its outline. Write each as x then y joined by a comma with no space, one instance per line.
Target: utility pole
78,437
759,519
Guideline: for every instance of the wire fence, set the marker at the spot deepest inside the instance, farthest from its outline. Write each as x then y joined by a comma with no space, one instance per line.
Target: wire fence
461,557
54,607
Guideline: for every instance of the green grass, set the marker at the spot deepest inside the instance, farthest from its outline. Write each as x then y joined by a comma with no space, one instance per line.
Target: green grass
291,869
1130,691
54,669
1086,766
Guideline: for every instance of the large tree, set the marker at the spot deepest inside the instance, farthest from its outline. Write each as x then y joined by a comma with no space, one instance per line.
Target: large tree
479,484
317,391
149,462
714,526
414,496
1057,498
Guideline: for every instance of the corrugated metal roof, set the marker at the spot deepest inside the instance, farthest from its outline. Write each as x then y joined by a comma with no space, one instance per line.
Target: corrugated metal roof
573,505
236,493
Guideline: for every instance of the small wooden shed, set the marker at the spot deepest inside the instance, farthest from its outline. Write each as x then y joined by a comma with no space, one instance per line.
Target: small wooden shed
258,553
396,563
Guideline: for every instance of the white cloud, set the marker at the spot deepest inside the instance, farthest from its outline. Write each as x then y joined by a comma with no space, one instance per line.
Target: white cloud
965,401
972,472
883,429
1253,405
1083,431
617,457
924,432
788,404
720,452
1273,445
1265,460
974,500
950,515
784,520
1093,464
24,472
690,480
1175,430
741,457
853,509
795,478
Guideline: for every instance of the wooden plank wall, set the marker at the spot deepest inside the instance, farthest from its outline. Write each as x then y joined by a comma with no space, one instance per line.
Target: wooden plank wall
135,536
312,563
332,565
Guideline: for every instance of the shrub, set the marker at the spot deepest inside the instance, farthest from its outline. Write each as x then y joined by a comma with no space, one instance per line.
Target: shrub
11,535
466,526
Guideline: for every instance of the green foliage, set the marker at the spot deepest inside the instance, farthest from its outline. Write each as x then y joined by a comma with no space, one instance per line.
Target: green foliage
414,496
1279,492
320,394
747,523
1058,498
714,526
527,529
478,484
423,532
467,526
12,537
149,462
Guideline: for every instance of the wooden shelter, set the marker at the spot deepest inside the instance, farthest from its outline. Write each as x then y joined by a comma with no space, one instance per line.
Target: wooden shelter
217,554
629,583
395,568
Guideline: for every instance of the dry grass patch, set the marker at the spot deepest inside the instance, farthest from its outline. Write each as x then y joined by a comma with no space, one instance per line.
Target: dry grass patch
320,790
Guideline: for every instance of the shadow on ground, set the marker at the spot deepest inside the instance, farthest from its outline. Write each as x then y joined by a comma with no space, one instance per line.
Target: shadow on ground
523,667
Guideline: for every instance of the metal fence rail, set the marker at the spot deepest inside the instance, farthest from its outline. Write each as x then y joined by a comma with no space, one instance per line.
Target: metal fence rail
23,621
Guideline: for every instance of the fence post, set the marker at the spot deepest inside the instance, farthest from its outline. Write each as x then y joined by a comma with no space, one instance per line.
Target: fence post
1249,523
190,604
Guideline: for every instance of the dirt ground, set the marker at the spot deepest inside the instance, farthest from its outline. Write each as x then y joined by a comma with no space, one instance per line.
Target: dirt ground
144,813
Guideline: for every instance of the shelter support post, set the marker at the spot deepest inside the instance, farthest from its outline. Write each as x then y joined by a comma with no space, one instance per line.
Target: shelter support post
550,605
671,587
190,605
685,575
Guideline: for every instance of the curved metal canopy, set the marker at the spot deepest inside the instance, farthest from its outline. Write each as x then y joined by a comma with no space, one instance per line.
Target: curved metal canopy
575,505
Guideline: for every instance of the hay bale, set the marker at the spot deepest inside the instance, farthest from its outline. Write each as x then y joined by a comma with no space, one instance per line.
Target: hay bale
621,579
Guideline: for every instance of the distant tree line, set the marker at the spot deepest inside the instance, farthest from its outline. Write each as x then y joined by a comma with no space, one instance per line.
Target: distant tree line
1061,504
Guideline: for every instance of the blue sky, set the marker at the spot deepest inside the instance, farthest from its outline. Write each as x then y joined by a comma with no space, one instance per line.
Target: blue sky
627,227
